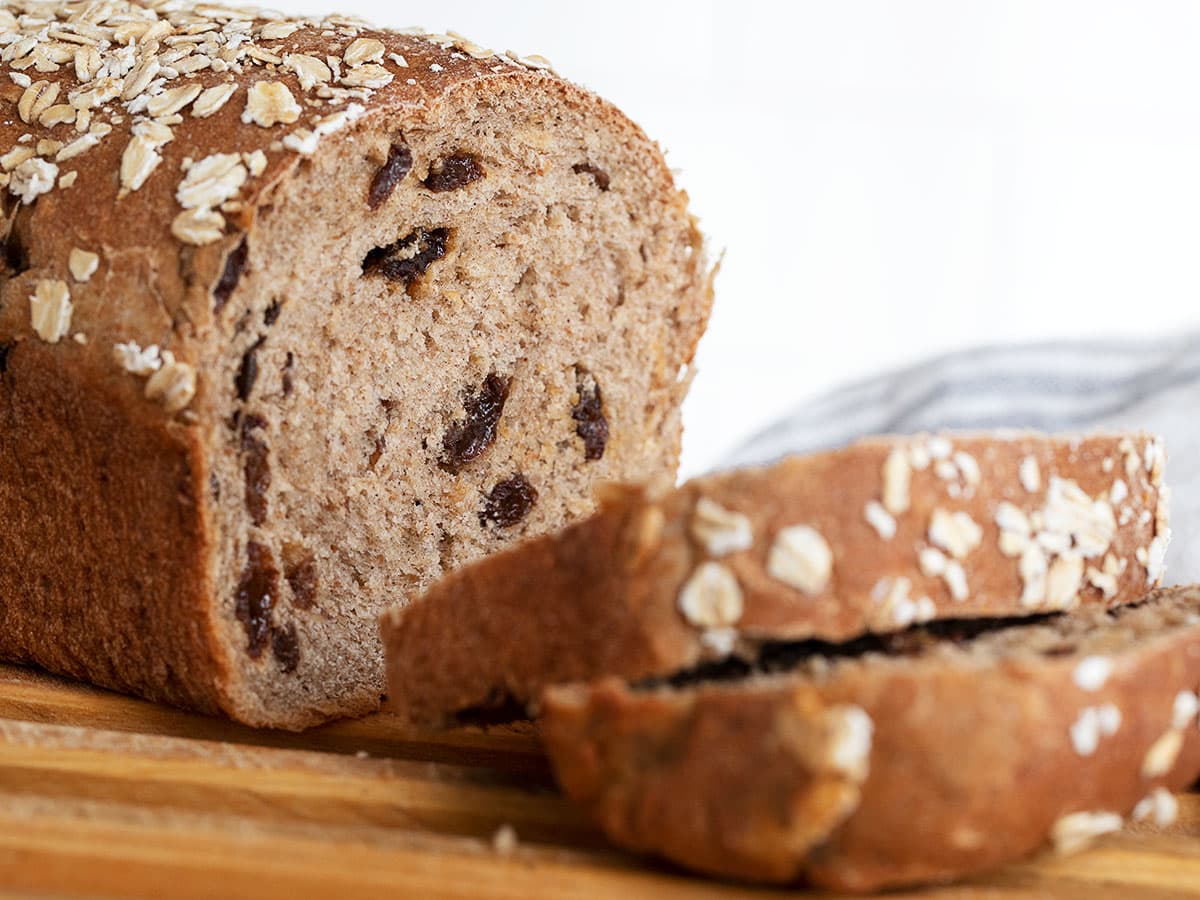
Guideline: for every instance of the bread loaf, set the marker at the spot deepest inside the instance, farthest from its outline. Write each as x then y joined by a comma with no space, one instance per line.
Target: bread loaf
932,754
871,538
296,316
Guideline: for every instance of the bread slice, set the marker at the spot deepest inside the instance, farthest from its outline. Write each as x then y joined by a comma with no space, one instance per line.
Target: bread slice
295,316
934,753
870,538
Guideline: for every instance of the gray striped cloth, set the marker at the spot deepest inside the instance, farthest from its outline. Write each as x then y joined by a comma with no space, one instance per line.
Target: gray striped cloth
1055,387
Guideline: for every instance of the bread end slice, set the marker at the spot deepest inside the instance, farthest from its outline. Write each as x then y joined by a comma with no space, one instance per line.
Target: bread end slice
921,759
873,538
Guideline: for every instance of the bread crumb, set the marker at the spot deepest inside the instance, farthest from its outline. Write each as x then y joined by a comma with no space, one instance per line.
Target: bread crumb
504,841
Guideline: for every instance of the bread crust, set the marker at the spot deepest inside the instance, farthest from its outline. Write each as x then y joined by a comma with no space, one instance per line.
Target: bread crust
603,597
106,571
971,763
117,581
134,228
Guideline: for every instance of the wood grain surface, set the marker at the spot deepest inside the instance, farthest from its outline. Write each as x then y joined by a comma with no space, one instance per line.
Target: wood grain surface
103,795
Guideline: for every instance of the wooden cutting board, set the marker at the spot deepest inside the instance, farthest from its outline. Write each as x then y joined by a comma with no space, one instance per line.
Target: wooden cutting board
103,795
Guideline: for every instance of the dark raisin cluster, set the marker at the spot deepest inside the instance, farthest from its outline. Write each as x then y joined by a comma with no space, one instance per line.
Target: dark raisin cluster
391,173
509,502
454,172
254,604
235,264
256,466
302,579
598,175
590,421
469,438
256,595
407,259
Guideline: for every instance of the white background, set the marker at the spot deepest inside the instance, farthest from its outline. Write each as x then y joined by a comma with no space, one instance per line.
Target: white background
894,179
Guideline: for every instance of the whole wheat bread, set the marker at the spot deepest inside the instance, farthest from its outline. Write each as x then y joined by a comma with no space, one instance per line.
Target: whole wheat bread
870,538
932,754
295,316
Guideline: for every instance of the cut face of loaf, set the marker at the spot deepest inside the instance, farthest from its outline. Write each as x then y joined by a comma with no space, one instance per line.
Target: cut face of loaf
936,753
870,538
318,314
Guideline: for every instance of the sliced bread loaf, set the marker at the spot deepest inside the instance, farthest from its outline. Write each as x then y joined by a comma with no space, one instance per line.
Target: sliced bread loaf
871,538
295,316
937,752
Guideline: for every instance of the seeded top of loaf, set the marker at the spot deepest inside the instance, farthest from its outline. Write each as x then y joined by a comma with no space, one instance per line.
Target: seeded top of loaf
207,103
141,139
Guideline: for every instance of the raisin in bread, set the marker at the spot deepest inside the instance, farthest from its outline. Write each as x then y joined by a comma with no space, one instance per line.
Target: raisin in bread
870,538
926,755
296,316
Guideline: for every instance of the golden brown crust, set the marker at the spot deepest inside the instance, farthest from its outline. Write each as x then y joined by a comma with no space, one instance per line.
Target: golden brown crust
105,571
478,640
131,229
606,596
723,777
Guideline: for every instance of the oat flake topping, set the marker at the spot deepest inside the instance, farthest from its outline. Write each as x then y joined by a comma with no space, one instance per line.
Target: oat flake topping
850,743
83,264
1159,806
720,530
84,72
133,358
50,310
711,598
173,385
801,557
1075,831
